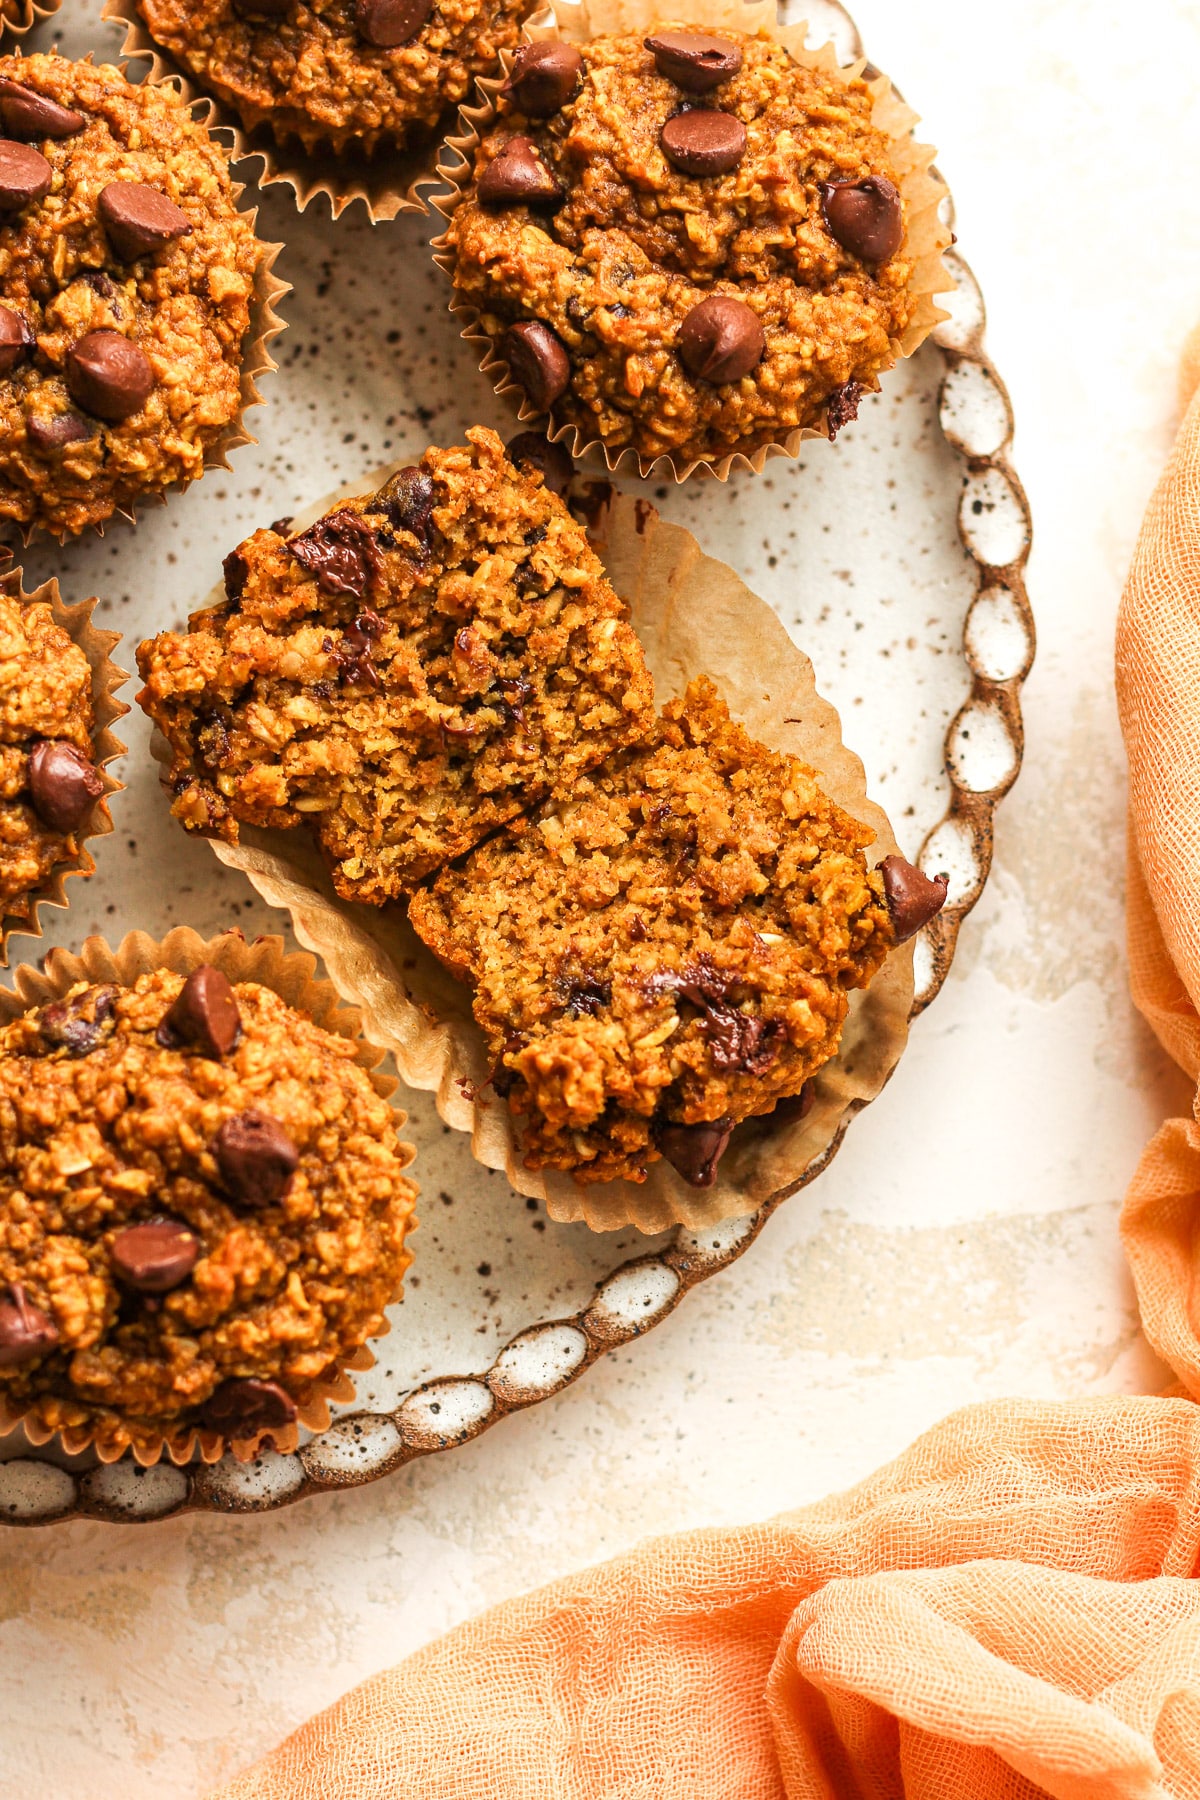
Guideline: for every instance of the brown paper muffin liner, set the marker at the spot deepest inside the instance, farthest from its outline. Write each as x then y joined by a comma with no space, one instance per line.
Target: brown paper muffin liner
97,646
694,616
20,16
387,183
288,974
923,190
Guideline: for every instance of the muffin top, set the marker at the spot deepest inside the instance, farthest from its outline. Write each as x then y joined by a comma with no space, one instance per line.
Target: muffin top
202,1209
685,244
403,676
126,275
48,782
338,72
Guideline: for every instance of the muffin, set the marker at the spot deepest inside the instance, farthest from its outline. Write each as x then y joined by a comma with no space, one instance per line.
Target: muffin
686,245
125,293
347,74
402,677
668,949
202,1212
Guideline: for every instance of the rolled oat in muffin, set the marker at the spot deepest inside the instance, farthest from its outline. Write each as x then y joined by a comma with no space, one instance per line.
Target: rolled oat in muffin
126,278
202,1211
686,244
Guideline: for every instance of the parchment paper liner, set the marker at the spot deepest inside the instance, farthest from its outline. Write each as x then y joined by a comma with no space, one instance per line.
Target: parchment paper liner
387,183
265,324
290,975
31,13
694,616
97,646
579,20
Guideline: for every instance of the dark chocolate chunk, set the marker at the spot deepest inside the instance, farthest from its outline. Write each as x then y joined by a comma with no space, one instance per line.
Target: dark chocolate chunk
353,654
242,1409
63,784
236,570
78,1024
586,997
912,897
109,376
385,24
49,435
538,361
865,217
518,176
16,339
341,552
204,1015
155,1256
139,219
703,142
543,78
26,1332
407,501
25,175
794,1107
27,115
841,409
695,1150
693,60
740,1041
256,1157
531,450
721,340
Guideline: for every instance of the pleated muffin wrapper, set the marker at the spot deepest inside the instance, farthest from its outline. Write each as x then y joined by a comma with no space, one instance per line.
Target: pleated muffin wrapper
694,616
107,678
387,182
290,974
923,191
24,16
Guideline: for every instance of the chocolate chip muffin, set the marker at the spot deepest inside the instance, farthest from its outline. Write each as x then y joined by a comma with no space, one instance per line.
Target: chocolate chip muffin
50,786
126,278
685,244
202,1211
670,948
341,73
404,676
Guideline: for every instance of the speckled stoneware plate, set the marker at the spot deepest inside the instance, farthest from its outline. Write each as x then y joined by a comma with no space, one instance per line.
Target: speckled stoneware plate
895,558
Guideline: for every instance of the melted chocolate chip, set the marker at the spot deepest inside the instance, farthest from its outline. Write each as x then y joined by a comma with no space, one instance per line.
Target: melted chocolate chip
721,340
353,654
204,1015
794,1107
244,1408
27,115
16,339
256,1157
78,1024
912,897
741,1042
109,376
25,175
702,142
518,176
695,1150
866,217
693,60
26,1332
155,1256
49,435
236,571
842,407
385,24
543,78
139,219
63,784
586,997
341,552
407,501
538,361
529,449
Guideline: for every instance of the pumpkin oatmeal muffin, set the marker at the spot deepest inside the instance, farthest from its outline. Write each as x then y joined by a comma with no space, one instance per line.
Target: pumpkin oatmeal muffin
667,950
126,277
404,676
202,1210
685,244
343,73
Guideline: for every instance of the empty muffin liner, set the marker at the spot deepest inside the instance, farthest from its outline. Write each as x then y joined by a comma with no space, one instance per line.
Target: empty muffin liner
578,20
288,974
24,15
97,647
387,183
694,616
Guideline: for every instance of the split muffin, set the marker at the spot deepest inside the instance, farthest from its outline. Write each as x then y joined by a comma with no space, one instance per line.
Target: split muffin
202,1211
403,677
126,280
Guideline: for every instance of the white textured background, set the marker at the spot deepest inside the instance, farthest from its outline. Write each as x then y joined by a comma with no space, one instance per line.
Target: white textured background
964,1243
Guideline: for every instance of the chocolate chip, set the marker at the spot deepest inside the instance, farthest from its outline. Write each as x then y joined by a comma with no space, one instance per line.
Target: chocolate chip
865,217
693,60
518,176
740,1041
26,1332
702,142
587,997
407,500
353,654
256,1157
78,1024
695,1150
25,175
204,1015
538,362
16,339
842,406
63,784
261,9
721,340
384,24
912,897
341,552
236,571
241,1409
531,450
48,435
155,1256
139,219
794,1107
543,78
26,115
108,376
